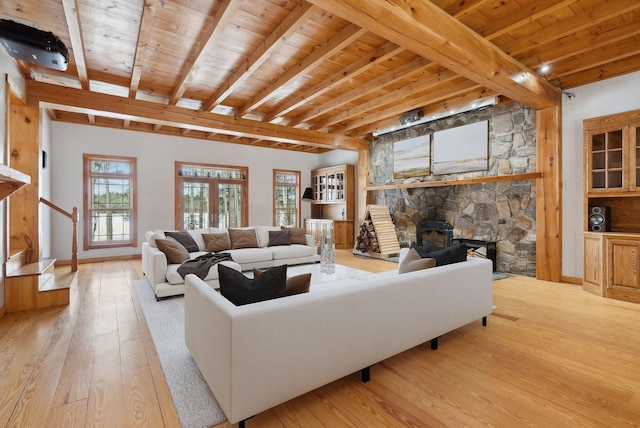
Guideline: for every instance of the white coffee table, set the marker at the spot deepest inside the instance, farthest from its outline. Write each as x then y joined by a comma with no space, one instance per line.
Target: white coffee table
317,277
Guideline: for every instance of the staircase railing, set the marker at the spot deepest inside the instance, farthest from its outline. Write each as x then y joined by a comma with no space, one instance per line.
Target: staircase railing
74,220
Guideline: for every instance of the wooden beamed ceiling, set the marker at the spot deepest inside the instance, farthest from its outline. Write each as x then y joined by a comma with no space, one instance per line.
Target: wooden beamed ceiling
320,74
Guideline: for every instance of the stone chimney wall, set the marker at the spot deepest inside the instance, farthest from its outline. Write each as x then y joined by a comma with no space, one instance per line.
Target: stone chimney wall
504,212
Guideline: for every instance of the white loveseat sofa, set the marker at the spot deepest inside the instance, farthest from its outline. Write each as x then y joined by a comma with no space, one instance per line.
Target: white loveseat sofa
260,355
166,281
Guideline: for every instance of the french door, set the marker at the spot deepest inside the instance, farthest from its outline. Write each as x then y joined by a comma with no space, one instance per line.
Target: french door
210,201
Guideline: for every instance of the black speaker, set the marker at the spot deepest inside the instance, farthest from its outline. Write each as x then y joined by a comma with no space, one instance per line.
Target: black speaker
599,219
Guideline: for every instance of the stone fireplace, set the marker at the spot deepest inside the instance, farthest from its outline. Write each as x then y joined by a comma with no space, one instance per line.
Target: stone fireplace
501,212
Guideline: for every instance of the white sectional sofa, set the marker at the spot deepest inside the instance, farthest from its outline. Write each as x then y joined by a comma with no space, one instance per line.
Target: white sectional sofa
257,356
166,281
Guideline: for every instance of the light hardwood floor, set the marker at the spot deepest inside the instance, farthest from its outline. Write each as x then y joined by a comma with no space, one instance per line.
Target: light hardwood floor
552,355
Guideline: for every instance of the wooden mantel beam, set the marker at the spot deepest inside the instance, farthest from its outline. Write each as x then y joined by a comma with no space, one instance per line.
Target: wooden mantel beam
423,28
86,102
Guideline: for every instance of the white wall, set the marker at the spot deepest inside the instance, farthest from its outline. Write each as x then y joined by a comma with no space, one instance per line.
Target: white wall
156,155
610,96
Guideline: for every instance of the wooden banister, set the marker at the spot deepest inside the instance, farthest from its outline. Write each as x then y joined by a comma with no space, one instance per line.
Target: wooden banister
74,220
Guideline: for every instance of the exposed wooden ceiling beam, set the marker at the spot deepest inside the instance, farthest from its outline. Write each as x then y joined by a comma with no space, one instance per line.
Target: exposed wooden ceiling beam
570,25
146,25
584,61
523,16
401,97
460,9
81,101
348,35
551,53
427,30
417,65
437,107
368,61
214,31
72,17
288,27
455,87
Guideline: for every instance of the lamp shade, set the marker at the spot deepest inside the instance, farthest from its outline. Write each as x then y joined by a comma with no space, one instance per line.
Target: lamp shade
307,196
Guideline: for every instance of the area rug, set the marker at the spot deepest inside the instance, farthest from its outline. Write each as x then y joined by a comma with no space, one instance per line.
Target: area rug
194,401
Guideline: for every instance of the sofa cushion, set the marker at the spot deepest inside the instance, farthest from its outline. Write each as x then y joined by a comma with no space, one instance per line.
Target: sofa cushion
413,262
197,237
243,238
185,239
291,251
297,284
240,290
443,255
262,232
175,251
279,237
152,235
297,235
251,255
216,241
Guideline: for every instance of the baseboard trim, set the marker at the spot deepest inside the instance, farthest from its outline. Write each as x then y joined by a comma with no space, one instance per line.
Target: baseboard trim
100,259
571,280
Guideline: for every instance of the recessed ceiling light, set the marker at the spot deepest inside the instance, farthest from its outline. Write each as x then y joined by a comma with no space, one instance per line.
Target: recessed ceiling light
545,68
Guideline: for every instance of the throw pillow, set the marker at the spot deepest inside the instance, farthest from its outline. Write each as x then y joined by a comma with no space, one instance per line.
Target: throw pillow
216,241
279,237
175,251
243,238
447,255
295,284
185,239
240,290
297,235
413,262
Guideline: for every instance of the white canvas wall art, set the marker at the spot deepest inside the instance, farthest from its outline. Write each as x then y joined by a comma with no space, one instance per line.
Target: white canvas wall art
461,149
412,157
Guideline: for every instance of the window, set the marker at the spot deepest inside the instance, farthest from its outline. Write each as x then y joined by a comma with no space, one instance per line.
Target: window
286,198
110,201
210,196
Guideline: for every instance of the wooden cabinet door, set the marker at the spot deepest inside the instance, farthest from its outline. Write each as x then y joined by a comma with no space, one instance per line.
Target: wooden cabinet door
623,269
593,270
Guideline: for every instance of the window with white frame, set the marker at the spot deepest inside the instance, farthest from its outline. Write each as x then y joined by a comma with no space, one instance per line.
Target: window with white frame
110,201
286,198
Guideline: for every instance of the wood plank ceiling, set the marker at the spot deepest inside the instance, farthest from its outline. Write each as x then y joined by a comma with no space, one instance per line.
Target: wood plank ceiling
316,75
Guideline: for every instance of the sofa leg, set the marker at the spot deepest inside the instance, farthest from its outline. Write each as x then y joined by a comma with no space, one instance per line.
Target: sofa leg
484,321
434,343
241,424
365,374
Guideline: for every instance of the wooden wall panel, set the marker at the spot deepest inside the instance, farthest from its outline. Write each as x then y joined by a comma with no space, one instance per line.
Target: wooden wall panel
549,194
24,155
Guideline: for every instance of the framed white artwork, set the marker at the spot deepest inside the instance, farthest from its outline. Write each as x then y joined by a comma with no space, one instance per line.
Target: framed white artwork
461,149
412,157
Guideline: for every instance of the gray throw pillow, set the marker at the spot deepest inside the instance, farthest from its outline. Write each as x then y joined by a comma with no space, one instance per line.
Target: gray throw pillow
279,237
185,239
443,255
240,290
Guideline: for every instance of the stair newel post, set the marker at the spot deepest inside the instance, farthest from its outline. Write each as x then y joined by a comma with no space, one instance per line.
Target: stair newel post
74,241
